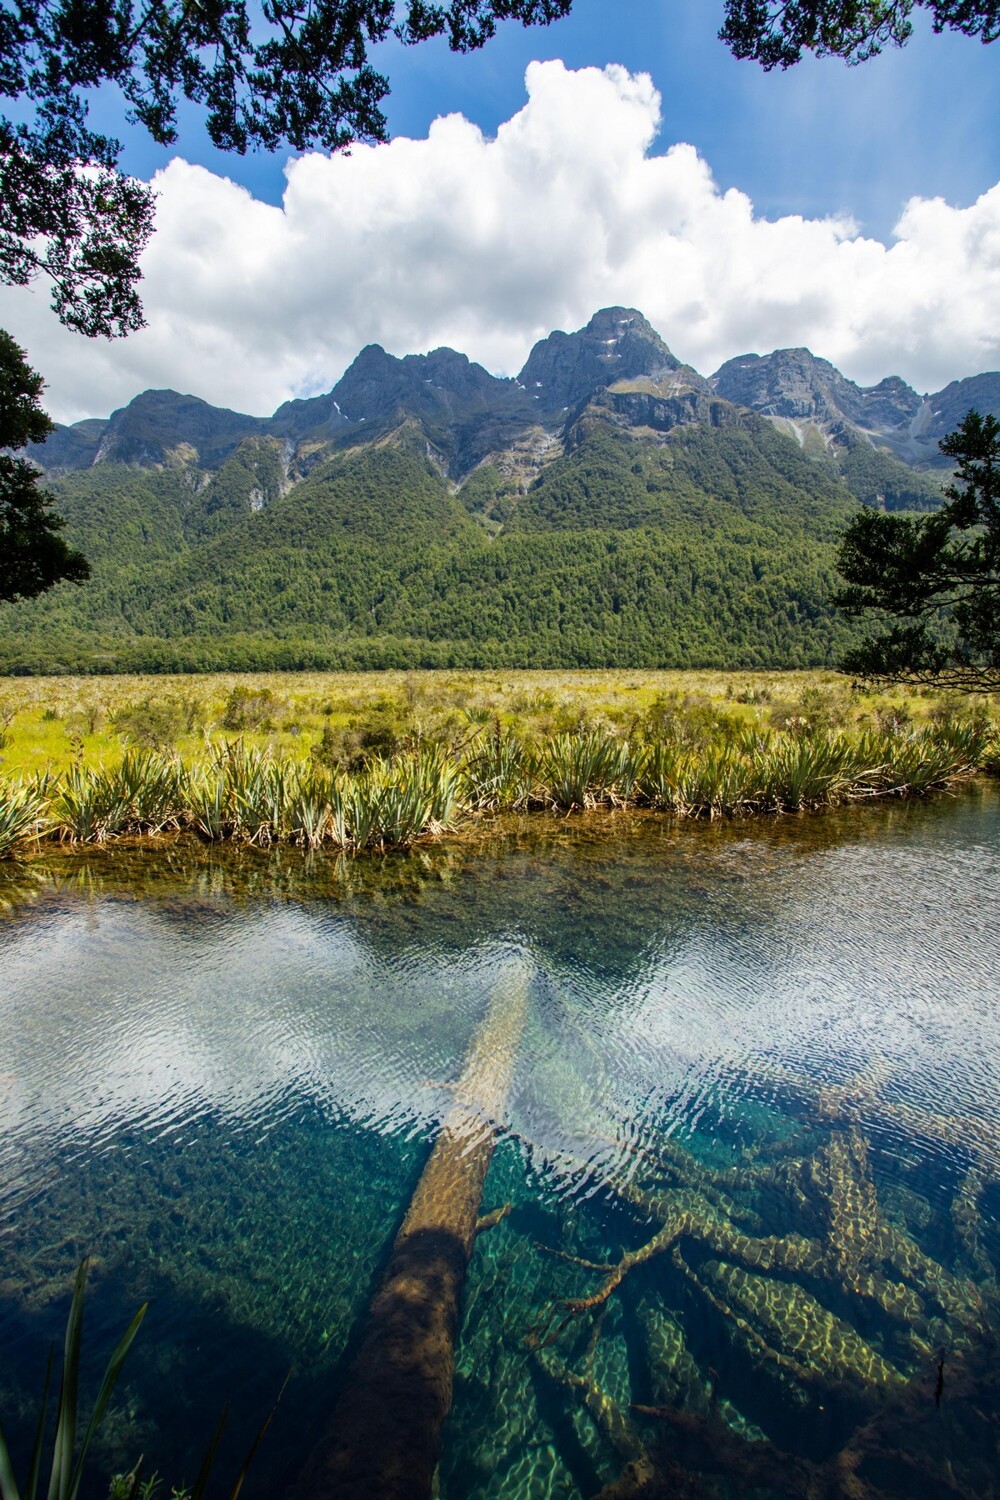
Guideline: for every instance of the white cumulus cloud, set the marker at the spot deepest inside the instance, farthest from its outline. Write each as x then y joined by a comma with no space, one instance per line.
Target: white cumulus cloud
487,243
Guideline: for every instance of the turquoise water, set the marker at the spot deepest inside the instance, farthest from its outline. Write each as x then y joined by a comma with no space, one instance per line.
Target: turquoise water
220,1075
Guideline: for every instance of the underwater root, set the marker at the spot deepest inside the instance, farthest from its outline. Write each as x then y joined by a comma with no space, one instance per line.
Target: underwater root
908,1447
852,1248
699,1444
384,1436
768,1290
609,1418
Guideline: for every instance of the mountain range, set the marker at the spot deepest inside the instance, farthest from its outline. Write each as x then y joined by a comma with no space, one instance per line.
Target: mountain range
608,506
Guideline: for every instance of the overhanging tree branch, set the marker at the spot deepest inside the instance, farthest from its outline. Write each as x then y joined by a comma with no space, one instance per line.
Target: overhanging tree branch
776,33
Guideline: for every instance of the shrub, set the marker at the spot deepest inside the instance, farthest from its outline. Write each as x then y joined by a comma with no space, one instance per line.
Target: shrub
151,724
753,693
381,732
250,708
22,811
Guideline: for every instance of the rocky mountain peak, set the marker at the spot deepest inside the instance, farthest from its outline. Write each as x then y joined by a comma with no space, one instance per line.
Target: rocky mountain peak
164,428
790,383
891,403
617,344
377,386
615,371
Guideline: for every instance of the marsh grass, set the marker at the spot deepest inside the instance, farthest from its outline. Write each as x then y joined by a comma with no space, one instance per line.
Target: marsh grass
498,775
69,1448
144,793
584,770
366,763
23,810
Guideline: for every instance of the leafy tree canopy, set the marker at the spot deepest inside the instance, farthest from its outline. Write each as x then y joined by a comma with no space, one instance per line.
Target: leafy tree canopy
268,73
775,33
33,556
936,577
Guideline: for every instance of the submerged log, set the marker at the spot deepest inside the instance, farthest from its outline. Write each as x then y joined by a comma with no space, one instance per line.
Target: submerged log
385,1432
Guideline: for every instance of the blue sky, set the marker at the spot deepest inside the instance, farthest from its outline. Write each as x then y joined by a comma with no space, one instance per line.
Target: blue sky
816,139
621,156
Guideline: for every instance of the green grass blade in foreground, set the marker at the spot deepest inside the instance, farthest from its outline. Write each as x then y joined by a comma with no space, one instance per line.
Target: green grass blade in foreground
234,1495
65,1439
64,1483
108,1384
201,1482
22,810
36,1452
8,1484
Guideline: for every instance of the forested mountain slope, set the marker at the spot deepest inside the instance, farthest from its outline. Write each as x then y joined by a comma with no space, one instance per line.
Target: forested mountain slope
609,506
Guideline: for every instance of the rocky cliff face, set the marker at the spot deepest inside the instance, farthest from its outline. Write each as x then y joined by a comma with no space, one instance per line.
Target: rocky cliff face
462,410
617,344
790,383
648,415
947,408
812,399
616,371
161,429
70,448
890,405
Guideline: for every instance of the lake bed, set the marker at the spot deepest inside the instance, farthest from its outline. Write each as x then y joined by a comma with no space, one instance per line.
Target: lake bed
222,1071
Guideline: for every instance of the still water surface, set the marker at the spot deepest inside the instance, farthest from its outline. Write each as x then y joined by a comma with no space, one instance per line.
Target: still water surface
220,1075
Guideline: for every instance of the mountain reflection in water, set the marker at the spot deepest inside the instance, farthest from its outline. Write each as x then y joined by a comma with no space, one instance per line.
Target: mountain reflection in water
759,1077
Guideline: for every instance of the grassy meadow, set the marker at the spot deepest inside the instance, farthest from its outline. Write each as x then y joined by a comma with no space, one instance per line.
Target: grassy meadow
47,723
363,760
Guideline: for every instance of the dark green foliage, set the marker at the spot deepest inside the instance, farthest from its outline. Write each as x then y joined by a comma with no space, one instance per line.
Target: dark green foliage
382,730
704,478
84,230
22,420
936,577
33,556
876,479
266,77
776,34
490,496
371,562
251,479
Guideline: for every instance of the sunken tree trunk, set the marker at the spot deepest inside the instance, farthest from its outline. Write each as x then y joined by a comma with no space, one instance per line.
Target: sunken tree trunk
385,1432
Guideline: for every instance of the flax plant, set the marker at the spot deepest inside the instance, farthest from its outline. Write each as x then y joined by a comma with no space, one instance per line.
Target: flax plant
499,777
917,763
721,782
798,771
145,793
250,794
584,770
310,795
23,810
68,1457
393,802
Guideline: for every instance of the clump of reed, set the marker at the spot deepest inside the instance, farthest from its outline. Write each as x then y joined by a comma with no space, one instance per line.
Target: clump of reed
393,802
144,793
23,810
498,775
247,794
590,769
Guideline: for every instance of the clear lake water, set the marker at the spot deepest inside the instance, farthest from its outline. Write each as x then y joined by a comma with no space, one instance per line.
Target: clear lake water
221,1073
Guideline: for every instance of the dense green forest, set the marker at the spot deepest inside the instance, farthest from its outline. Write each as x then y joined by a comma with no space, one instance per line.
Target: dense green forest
713,549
